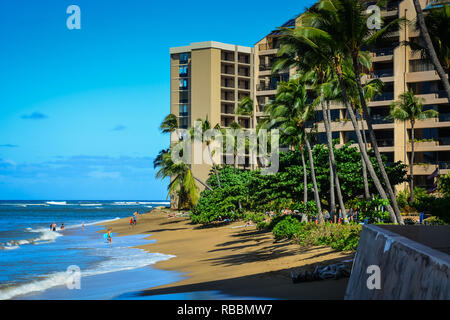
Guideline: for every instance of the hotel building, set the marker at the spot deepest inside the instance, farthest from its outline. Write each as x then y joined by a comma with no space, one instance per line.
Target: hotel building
208,79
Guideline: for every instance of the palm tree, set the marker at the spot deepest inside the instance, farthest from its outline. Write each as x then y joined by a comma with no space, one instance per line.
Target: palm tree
169,124
322,82
355,35
351,33
319,38
182,180
206,125
409,108
438,22
180,174
290,111
245,108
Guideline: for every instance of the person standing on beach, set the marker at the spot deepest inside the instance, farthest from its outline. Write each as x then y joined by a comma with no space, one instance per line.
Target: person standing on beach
134,219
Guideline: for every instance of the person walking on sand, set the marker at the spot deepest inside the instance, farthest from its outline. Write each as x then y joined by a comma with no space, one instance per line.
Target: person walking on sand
131,222
134,219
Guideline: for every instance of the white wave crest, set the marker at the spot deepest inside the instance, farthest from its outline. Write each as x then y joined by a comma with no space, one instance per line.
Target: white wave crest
57,203
120,260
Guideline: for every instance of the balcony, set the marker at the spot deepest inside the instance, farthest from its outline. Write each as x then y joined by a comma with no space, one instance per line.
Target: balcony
422,76
268,46
227,69
245,59
265,67
444,141
266,87
244,72
433,97
385,142
443,117
383,52
387,96
380,119
227,56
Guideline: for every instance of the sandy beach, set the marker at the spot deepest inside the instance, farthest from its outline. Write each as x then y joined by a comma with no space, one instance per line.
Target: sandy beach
233,259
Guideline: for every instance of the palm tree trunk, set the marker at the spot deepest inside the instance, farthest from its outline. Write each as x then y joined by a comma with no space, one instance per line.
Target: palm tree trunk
214,166
411,164
364,166
313,177
373,140
305,179
430,49
333,163
202,183
332,193
370,168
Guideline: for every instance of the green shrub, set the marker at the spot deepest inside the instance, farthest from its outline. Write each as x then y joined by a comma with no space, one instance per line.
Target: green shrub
286,228
342,237
371,209
434,221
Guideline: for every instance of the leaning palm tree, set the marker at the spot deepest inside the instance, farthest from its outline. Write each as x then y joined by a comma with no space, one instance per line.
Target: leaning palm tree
354,35
320,37
290,111
409,108
438,22
182,180
321,81
170,125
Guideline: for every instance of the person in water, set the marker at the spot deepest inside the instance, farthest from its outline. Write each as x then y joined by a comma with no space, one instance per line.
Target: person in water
53,226
109,236
62,226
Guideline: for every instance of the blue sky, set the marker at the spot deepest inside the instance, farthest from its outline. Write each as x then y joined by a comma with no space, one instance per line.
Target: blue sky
80,109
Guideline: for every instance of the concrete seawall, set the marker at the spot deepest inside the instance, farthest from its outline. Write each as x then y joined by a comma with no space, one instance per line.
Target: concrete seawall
413,263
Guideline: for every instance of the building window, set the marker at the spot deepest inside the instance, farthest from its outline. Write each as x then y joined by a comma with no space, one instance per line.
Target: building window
183,71
183,111
183,84
184,97
184,58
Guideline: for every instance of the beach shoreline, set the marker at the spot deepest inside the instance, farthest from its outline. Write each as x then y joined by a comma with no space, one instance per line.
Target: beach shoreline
232,259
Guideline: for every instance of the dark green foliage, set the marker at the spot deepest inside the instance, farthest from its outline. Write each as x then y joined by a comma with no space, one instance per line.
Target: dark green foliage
249,191
370,210
339,237
286,228
220,203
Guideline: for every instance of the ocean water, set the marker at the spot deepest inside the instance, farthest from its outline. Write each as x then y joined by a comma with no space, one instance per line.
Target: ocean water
34,260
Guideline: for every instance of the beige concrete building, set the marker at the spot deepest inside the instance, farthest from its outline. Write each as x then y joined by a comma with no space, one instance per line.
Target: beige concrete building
210,78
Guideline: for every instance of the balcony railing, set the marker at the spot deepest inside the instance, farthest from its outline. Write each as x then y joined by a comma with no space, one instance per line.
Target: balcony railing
380,73
268,46
384,96
265,87
444,141
385,142
380,119
444,117
383,52
265,67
